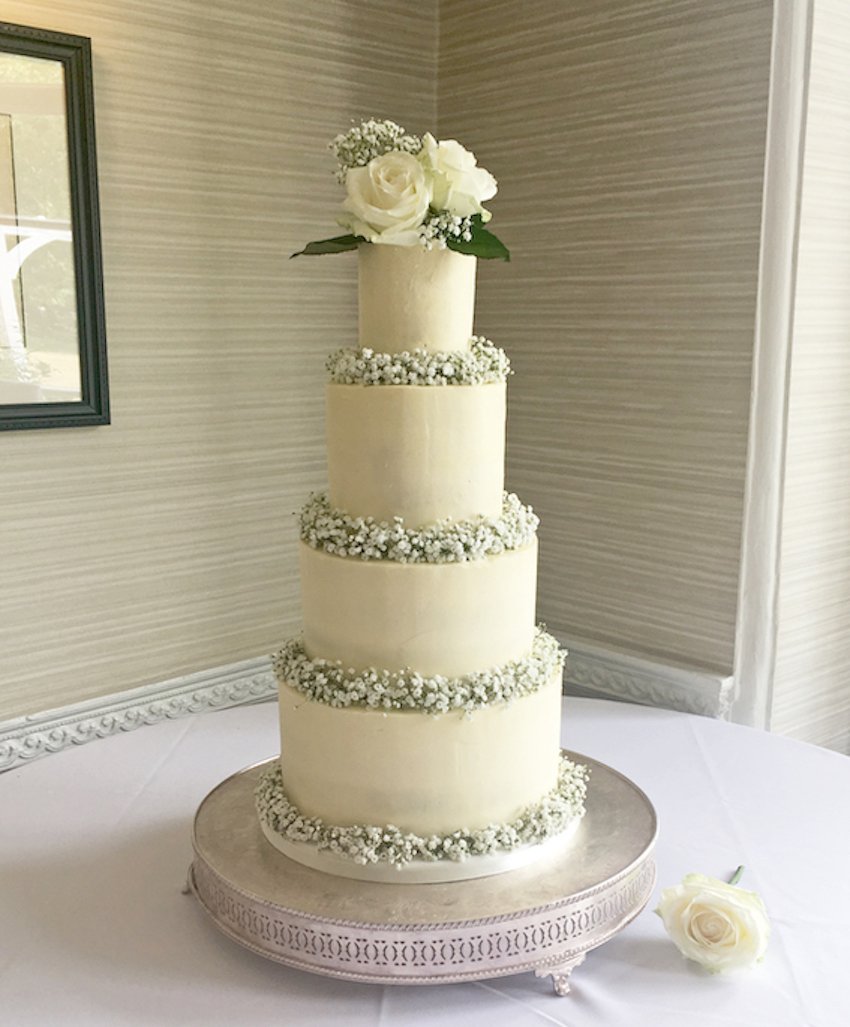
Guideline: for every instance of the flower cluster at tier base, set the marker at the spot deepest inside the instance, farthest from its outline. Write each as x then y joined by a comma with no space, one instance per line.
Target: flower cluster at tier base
482,364
339,534
330,682
389,844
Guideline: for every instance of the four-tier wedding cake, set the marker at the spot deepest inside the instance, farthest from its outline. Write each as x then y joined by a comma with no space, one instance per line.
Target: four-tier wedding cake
420,709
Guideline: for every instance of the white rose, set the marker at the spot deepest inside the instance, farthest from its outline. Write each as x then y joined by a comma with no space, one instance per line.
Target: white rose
460,186
387,200
718,925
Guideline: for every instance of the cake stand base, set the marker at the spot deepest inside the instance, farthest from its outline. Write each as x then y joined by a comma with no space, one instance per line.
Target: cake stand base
544,917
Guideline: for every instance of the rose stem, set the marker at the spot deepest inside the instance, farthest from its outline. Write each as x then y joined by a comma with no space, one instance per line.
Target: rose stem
737,875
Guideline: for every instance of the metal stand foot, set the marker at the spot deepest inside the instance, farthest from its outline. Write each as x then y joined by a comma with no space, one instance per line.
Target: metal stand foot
560,974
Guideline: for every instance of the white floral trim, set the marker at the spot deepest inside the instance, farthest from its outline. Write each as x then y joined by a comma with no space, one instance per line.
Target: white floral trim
448,541
331,683
482,364
389,844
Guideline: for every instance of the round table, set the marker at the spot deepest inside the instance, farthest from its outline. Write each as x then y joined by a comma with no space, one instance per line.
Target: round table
96,928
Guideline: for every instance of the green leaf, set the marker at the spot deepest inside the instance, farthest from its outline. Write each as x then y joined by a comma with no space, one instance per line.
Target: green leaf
483,244
339,244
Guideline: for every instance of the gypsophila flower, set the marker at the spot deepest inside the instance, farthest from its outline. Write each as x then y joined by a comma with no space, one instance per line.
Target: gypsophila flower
441,226
370,139
449,541
482,364
370,844
330,683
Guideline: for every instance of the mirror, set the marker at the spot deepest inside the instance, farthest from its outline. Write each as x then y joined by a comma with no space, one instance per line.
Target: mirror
52,325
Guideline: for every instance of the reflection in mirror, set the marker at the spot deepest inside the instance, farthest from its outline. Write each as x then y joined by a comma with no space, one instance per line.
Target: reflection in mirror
52,335
39,357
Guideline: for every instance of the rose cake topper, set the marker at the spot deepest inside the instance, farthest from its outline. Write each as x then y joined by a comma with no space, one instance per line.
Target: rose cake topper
403,190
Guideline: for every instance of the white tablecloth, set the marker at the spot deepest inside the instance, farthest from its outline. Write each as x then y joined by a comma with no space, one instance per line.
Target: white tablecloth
95,844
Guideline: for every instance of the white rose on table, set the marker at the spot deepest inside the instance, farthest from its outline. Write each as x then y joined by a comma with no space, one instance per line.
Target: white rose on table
460,186
716,924
387,199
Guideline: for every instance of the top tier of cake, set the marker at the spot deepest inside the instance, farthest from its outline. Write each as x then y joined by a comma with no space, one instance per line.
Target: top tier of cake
412,298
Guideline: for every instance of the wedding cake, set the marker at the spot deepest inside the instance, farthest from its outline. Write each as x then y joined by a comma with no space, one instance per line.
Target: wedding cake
420,708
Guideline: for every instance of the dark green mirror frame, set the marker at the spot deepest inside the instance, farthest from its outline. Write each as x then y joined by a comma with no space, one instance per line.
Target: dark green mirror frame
87,403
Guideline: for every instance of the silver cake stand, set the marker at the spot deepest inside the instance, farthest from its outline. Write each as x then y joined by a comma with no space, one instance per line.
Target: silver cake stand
544,917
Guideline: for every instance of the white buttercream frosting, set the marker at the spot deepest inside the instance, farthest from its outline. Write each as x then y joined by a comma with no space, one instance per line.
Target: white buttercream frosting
418,453
435,618
420,772
410,297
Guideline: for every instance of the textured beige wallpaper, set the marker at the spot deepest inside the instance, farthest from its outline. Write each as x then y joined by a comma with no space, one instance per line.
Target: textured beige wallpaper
163,544
812,679
628,138
629,141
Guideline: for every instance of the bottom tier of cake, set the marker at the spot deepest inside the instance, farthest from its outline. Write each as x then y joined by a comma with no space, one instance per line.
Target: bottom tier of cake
424,772
383,769
384,853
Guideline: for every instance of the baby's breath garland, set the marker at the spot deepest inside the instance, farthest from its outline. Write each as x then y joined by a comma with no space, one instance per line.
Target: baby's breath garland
372,844
448,541
482,364
332,683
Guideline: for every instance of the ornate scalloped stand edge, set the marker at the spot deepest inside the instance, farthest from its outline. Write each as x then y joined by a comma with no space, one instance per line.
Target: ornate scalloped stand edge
543,918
